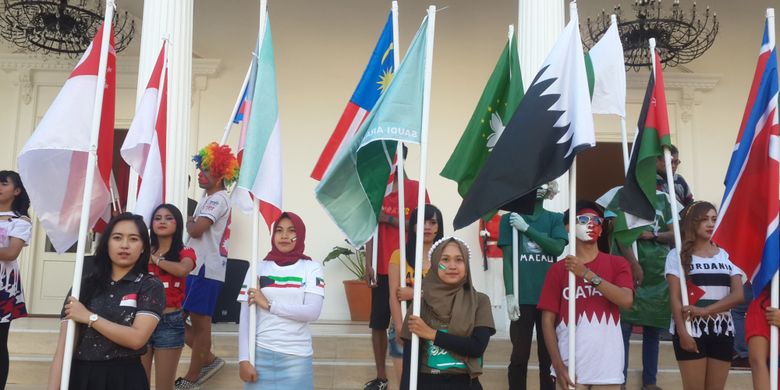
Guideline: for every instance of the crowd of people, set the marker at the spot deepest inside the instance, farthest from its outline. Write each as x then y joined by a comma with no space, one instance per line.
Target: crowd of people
147,293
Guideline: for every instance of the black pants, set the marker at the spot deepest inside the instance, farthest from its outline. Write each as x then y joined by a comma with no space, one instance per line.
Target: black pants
521,334
447,382
4,353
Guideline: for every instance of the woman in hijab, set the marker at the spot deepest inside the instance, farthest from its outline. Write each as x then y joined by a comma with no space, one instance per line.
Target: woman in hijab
454,326
290,294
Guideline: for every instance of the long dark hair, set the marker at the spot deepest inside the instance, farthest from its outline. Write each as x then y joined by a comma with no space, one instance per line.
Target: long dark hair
21,202
431,212
99,278
177,241
692,216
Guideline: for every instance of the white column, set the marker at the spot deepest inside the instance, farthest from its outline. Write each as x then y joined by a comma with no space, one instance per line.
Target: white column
152,32
539,23
179,155
171,19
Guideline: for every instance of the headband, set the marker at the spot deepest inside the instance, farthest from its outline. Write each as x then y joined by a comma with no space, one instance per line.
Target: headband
442,240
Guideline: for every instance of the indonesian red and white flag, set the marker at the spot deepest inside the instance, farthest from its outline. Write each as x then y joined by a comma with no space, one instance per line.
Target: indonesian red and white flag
144,146
53,162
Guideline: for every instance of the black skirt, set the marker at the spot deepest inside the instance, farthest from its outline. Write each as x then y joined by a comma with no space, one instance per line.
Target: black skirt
117,374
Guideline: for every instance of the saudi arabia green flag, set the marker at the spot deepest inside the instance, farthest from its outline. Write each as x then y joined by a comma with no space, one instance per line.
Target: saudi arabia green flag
498,102
353,188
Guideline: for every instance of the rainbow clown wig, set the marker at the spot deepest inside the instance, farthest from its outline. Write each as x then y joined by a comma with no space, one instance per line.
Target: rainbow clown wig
218,159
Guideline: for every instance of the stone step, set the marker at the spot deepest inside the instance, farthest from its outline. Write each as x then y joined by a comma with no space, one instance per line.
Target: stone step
343,358
30,372
345,341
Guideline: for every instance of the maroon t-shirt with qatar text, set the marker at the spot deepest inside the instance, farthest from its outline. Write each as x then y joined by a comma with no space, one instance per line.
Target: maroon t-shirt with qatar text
598,320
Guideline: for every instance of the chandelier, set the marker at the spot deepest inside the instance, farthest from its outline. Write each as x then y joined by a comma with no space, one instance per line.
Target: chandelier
681,36
56,27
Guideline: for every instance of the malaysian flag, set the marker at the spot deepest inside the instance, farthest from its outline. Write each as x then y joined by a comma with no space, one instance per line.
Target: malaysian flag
375,79
747,226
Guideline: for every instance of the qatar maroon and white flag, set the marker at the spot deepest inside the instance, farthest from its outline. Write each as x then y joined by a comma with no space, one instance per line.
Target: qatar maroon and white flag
144,146
53,162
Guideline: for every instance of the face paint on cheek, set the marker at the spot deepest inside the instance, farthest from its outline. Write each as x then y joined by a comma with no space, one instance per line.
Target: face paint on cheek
588,232
442,267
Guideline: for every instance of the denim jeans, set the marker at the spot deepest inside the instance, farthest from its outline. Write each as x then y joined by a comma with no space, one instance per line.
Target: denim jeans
280,371
650,343
738,314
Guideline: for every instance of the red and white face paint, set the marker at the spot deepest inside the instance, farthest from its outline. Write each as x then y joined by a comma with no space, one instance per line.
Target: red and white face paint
591,229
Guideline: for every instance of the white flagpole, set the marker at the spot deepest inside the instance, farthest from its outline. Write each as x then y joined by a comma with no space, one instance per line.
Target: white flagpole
413,367
775,298
88,184
572,326
515,239
255,215
399,173
515,270
573,251
673,201
237,106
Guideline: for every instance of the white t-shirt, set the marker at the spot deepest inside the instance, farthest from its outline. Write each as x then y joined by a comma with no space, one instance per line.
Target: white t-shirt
215,207
713,275
10,280
285,285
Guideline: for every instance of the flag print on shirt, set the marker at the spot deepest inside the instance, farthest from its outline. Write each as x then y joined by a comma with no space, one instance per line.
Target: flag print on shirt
130,300
281,281
320,282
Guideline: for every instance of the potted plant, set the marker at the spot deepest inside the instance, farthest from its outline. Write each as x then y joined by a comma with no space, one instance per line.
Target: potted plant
357,291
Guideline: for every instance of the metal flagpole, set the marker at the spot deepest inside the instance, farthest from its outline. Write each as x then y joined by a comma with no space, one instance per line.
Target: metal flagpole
775,298
673,201
399,173
255,216
88,184
572,325
413,367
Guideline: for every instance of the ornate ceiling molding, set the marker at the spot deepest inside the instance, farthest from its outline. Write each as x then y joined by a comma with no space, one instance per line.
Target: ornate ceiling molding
13,61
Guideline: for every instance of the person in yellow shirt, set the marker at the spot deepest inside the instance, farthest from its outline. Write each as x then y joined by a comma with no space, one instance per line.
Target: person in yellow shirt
433,231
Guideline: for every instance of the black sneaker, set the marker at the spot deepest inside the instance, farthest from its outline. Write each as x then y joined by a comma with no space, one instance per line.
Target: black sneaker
183,384
376,384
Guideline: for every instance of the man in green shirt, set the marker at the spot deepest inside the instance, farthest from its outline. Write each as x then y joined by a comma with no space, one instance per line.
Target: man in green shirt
541,239
651,300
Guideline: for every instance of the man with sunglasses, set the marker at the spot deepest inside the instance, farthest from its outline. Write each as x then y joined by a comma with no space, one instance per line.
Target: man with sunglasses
604,285
541,238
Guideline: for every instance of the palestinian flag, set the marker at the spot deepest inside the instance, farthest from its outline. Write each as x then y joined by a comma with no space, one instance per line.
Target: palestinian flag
281,281
498,102
638,198
550,126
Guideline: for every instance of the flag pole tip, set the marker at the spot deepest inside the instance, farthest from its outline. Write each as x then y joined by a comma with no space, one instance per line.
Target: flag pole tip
770,12
613,18
652,43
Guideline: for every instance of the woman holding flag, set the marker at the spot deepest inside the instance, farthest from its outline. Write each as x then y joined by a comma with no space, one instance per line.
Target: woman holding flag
119,308
455,322
290,294
171,262
715,286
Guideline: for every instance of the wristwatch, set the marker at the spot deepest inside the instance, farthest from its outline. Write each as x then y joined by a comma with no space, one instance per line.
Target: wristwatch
595,280
92,318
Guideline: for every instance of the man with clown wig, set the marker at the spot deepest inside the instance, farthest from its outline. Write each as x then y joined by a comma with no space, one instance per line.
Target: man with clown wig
218,169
